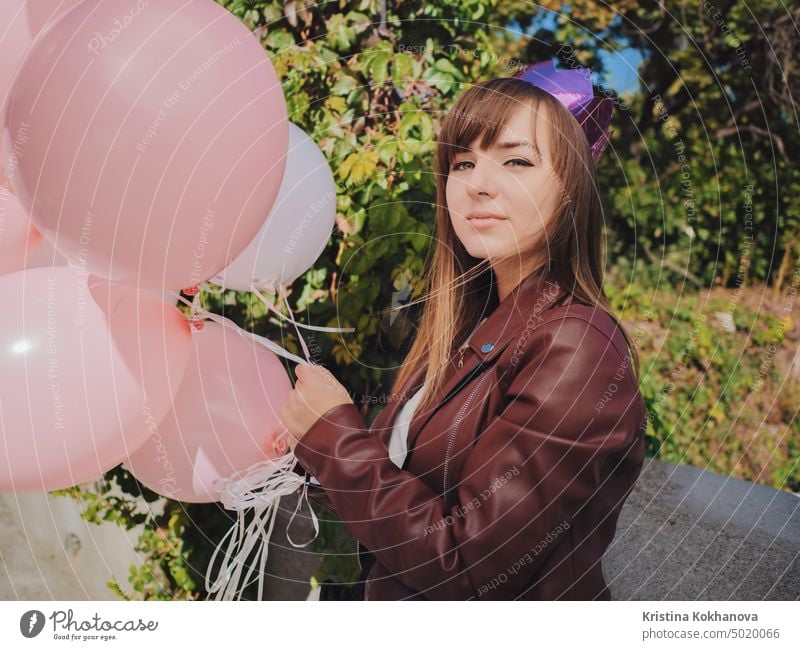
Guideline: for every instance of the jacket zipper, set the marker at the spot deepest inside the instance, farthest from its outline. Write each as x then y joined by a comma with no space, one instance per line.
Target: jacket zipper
452,439
477,371
454,432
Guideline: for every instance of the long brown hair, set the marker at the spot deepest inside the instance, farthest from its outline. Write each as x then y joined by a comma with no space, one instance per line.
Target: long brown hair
459,286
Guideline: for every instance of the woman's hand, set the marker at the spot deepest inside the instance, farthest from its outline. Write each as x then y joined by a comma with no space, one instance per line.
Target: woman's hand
315,392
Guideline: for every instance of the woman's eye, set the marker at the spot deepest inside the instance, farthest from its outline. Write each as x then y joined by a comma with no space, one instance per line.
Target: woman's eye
522,163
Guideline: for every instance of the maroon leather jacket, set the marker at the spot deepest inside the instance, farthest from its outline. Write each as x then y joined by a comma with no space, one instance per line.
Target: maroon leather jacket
513,483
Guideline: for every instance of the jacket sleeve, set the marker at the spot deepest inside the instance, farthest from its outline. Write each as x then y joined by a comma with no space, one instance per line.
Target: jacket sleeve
533,467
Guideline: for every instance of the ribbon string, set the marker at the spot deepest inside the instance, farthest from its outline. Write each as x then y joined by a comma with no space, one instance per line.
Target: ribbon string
280,314
257,489
228,323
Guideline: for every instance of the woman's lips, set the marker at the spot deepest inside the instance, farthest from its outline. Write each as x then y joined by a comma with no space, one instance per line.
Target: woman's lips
484,222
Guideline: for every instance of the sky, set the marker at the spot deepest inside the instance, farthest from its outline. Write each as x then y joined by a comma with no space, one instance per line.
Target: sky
622,65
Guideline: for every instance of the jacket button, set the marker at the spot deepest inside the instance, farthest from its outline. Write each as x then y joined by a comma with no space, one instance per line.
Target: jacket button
487,346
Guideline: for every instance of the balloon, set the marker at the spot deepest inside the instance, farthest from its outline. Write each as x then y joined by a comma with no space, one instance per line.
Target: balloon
5,181
224,418
299,226
41,13
22,22
151,136
46,255
21,244
18,239
86,368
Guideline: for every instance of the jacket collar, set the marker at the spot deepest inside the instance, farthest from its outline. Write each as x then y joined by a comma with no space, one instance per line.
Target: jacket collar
526,302
532,296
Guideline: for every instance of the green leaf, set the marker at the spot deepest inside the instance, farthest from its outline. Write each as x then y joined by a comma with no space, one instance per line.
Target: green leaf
344,85
357,167
360,22
442,81
386,152
337,104
280,40
402,68
444,65
379,67
339,33
386,217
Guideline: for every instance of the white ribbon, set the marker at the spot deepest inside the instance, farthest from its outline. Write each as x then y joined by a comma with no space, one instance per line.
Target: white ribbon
279,314
275,287
259,488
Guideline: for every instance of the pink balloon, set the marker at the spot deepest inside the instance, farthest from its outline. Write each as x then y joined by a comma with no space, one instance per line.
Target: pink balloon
151,138
19,240
5,181
299,226
21,21
40,14
86,368
46,255
224,418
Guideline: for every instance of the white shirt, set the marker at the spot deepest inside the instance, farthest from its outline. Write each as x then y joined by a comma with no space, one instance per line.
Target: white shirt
398,442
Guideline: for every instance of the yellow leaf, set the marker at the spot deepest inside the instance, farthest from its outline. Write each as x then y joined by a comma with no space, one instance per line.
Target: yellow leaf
363,166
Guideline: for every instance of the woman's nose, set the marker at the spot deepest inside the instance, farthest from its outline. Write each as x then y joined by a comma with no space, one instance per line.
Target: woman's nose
482,179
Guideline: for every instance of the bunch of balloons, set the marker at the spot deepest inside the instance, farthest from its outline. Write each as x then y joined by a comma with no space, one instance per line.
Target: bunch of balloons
145,150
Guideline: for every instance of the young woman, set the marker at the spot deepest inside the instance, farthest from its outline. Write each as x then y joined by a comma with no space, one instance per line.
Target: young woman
515,428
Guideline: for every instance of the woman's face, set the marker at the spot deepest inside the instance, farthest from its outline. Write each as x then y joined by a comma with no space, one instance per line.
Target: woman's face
513,183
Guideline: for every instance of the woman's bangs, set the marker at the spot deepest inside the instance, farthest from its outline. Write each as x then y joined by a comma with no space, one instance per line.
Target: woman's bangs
482,119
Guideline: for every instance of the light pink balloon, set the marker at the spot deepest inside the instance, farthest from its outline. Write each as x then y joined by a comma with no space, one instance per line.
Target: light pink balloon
20,22
41,13
5,181
224,419
86,368
21,244
299,226
19,240
152,138
46,255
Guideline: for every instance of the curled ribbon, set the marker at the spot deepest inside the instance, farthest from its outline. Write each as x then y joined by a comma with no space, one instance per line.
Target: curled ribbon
260,487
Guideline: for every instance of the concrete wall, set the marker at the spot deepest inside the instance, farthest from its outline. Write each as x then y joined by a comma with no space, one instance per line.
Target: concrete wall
48,552
686,534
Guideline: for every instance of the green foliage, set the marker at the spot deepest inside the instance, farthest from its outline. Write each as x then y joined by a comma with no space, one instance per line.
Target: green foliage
718,400
340,563
705,171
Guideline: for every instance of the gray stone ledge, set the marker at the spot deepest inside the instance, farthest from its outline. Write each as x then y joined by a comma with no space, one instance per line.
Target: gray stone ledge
687,534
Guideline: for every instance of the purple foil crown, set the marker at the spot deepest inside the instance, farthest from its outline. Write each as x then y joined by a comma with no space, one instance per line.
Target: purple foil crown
573,88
